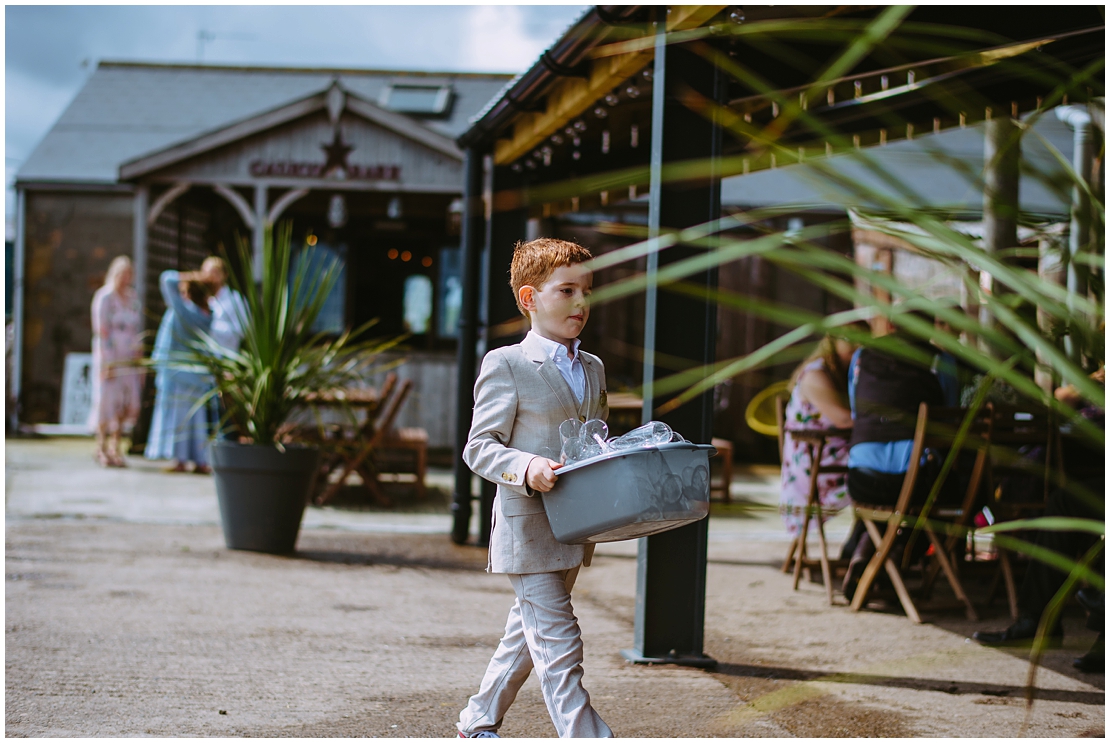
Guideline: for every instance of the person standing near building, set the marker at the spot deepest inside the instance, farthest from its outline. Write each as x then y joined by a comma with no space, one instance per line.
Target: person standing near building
177,430
229,311
116,350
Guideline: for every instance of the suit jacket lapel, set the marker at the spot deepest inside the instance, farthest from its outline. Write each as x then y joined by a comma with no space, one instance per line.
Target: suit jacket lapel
546,368
588,408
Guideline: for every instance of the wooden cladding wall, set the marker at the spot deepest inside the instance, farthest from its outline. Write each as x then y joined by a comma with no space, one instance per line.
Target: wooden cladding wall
70,240
176,241
301,143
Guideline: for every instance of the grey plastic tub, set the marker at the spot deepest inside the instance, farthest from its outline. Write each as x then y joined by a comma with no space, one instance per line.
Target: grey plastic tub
632,494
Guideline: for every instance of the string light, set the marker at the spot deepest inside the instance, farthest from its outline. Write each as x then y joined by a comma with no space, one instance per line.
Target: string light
406,256
426,261
632,91
311,240
600,112
612,99
556,138
392,254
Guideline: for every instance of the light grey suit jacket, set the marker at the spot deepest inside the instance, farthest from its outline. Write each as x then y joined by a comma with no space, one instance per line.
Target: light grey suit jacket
520,399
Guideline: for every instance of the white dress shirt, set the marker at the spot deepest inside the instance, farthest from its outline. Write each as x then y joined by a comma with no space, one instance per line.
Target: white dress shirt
570,366
228,314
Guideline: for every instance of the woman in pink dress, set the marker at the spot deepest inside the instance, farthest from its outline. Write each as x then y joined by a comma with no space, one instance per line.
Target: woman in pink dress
818,399
116,352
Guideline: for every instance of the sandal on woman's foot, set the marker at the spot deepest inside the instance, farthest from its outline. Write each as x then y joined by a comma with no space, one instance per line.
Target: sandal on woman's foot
202,469
117,461
102,459
176,467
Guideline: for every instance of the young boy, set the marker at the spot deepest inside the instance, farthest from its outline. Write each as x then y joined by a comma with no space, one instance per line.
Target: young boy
522,395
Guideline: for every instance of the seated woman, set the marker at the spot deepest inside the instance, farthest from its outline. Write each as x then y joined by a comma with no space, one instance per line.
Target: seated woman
177,431
818,400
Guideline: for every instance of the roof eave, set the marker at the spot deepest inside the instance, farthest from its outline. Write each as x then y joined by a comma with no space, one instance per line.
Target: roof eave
397,123
565,54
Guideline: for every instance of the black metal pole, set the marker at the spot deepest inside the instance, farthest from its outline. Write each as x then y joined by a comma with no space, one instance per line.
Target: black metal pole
670,582
473,235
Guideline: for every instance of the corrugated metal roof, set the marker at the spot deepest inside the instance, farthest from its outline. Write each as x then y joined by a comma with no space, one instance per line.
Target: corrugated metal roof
126,110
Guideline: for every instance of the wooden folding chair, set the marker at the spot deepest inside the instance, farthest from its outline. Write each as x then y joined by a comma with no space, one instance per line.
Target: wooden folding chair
412,440
724,455
944,423
354,456
946,420
1013,427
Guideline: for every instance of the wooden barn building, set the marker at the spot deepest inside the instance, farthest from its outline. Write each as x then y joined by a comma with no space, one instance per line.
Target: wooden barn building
172,163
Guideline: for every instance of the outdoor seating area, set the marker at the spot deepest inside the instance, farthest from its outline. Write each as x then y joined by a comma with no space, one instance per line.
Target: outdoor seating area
973,568
366,442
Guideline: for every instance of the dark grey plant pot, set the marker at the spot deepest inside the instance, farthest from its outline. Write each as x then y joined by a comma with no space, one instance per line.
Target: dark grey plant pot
263,493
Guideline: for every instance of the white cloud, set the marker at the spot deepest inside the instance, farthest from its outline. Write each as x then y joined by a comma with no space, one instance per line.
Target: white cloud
496,39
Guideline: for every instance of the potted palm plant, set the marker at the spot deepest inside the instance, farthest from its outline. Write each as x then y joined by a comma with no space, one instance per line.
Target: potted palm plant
263,478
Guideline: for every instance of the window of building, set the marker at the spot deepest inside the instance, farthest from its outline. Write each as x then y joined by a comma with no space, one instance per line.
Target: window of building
428,100
450,293
418,304
316,261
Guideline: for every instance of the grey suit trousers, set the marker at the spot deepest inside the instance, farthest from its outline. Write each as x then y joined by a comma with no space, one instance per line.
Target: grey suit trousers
541,632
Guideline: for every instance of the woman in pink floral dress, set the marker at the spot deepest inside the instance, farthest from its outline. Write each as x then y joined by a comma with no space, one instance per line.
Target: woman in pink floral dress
116,351
818,399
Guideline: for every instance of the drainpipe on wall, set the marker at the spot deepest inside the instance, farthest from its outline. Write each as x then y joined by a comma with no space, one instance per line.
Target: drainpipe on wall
19,271
1079,120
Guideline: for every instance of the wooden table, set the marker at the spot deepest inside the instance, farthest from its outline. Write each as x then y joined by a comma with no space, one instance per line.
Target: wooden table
815,440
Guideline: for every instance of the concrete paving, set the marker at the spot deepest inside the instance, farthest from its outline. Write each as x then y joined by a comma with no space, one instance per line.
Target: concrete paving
126,616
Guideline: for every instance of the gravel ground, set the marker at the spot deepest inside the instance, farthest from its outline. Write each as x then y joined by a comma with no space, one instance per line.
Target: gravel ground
123,622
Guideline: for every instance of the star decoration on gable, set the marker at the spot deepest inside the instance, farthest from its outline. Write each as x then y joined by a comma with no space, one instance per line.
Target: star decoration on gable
337,153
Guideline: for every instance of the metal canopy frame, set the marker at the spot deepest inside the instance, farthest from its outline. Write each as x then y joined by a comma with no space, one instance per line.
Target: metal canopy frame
547,177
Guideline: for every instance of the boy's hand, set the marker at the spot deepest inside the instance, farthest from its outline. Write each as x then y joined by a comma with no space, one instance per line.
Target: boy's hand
540,475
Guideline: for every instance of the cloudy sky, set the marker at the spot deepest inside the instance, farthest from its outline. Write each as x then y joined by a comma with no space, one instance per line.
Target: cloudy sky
50,50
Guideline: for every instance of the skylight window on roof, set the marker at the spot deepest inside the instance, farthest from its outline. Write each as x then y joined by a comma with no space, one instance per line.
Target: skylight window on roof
427,100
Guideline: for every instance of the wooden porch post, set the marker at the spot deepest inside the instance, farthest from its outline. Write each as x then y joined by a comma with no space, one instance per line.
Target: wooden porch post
1002,172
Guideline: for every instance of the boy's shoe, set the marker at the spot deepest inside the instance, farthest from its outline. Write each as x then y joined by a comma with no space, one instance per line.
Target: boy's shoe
480,734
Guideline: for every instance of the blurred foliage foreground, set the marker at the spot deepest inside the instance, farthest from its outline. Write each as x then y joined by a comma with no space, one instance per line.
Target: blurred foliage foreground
1018,332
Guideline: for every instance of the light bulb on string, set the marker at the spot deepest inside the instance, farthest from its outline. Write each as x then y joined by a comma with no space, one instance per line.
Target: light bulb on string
632,91
612,99
600,112
556,139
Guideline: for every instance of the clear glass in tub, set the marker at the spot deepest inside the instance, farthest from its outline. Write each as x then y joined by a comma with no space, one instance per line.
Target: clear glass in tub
630,494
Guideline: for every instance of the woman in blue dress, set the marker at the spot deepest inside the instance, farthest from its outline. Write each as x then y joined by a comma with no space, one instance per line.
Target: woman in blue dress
177,430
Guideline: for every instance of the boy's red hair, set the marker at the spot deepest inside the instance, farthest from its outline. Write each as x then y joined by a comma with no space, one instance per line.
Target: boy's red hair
534,262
